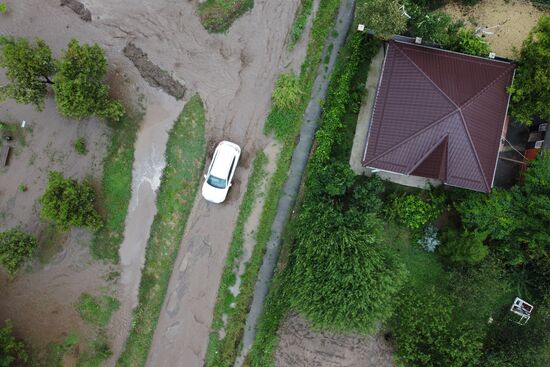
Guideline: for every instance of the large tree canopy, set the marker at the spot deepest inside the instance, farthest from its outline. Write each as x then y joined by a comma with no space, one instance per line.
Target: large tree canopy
79,87
28,68
341,277
530,93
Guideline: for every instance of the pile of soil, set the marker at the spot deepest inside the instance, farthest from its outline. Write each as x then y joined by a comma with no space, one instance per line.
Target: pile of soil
78,8
154,75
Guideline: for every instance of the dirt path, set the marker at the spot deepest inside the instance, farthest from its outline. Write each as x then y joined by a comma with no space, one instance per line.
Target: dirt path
299,346
508,22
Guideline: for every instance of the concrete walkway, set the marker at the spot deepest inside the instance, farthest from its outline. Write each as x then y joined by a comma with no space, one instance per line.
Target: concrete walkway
298,164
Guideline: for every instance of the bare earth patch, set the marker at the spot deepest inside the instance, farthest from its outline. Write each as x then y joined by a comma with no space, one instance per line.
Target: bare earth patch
510,21
299,346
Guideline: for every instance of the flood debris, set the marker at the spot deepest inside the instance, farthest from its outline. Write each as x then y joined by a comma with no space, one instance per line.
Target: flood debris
154,75
78,8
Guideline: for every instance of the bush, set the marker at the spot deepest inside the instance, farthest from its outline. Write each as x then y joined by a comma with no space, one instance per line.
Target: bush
287,91
367,194
28,68
16,247
331,181
384,17
12,351
431,26
68,203
97,310
80,146
427,336
79,88
464,248
3,8
413,211
340,277
466,42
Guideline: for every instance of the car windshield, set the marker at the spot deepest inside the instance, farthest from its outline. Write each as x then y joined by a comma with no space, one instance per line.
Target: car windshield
218,183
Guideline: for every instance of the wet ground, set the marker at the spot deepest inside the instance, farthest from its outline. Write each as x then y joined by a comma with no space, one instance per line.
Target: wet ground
300,346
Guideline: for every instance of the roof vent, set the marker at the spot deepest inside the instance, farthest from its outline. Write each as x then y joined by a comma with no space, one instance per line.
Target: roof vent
418,40
361,27
492,55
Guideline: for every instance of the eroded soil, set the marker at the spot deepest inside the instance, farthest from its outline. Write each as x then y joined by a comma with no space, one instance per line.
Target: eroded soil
299,346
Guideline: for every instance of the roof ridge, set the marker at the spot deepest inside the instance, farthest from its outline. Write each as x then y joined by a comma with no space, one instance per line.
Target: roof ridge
473,148
427,154
484,89
440,120
441,91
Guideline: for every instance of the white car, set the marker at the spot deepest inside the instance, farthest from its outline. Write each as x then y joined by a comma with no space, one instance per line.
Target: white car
220,173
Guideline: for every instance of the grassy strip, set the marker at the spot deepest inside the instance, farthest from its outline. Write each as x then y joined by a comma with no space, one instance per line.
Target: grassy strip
218,15
277,304
223,350
116,188
300,22
96,310
285,123
185,153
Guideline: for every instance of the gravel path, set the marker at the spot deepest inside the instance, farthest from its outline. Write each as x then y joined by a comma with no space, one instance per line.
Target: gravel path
298,164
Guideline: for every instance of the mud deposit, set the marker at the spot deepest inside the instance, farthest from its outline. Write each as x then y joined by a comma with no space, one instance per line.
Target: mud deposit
299,346
507,22
155,76
78,8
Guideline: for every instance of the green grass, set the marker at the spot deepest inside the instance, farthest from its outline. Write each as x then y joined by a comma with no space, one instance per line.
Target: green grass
300,22
80,146
185,152
218,15
97,310
221,351
116,188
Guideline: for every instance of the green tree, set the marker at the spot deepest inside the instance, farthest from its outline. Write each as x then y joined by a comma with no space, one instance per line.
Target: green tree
341,278
12,351
413,211
530,93
384,17
431,26
68,203
466,42
426,334
16,247
464,248
28,69
79,87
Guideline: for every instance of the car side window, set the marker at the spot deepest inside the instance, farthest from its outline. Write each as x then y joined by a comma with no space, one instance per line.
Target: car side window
231,169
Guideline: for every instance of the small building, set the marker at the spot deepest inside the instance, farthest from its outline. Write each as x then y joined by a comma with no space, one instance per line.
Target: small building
438,115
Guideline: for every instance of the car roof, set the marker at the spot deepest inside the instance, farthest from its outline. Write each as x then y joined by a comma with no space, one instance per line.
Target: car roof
222,163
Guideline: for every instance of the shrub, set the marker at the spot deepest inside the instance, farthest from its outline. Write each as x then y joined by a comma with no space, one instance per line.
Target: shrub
28,69
431,26
466,42
367,194
79,88
16,247
332,180
12,351
384,17
429,240
80,146
22,188
464,248
97,310
3,8
68,203
287,91
426,335
340,277
413,211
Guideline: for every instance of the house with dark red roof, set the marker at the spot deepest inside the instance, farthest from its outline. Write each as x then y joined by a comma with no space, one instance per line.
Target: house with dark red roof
438,114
